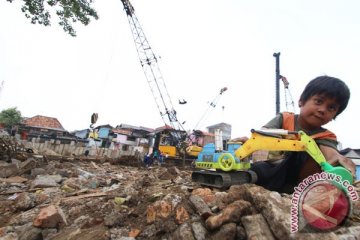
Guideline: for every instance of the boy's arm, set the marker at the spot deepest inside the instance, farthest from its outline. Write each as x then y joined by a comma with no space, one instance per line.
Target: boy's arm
334,158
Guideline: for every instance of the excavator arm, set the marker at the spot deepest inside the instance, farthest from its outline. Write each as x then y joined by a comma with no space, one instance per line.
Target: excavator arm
235,169
270,140
262,140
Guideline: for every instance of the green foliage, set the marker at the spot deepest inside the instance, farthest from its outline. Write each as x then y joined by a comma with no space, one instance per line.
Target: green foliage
10,117
68,11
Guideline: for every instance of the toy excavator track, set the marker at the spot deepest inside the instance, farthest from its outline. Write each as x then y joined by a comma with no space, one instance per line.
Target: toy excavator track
223,180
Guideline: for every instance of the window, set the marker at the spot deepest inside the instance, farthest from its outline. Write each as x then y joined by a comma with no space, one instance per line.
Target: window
131,138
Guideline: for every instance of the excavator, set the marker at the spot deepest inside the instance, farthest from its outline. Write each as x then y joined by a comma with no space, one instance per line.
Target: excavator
230,168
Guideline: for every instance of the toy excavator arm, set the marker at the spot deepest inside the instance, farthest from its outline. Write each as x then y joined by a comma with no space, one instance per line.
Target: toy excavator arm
271,139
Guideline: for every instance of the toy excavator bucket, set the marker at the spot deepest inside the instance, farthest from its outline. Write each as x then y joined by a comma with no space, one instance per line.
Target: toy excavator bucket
313,150
340,171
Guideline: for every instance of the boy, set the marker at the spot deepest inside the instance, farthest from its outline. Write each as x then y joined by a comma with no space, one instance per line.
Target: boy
322,100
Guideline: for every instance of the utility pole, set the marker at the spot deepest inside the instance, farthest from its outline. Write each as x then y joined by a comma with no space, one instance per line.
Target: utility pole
277,84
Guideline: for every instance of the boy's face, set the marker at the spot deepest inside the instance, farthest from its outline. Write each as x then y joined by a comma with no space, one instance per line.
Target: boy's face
317,111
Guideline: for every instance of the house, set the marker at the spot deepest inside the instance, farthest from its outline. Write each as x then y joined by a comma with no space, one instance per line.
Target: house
104,135
126,135
83,134
225,128
43,127
354,155
141,132
120,138
201,138
44,122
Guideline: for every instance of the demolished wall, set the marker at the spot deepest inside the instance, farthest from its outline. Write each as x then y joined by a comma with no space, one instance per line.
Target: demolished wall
55,147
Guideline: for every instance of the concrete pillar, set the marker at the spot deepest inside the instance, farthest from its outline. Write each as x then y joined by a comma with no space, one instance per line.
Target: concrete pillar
66,149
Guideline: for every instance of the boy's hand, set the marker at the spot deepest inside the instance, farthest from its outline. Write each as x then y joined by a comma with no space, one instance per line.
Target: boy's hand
334,158
346,163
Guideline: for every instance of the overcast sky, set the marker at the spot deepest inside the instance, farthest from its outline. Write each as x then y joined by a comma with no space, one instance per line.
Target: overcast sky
204,45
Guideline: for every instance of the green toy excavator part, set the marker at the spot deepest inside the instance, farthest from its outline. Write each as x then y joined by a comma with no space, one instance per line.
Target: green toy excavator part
314,151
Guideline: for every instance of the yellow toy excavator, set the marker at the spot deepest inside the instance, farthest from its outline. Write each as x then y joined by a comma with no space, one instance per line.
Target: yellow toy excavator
231,168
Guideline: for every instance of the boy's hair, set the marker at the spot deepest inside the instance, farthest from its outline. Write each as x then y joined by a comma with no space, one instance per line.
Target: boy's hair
331,87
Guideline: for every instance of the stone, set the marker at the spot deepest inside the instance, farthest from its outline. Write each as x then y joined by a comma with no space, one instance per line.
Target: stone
29,164
37,171
48,233
199,231
9,170
200,206
114,219
237,192
50,217
134,233
206,194
274,208
181,215
99,232
240,233
184,232
148,232
15,179
256,227
313,236
174,171
10,236
24,217
232,213
29,232
226,232
24,201
160,209
44,181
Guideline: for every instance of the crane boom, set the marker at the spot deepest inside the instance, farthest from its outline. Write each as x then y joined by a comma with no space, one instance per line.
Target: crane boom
149,63
211,106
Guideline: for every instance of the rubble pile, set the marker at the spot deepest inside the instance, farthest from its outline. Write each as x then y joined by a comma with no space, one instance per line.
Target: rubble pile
45,198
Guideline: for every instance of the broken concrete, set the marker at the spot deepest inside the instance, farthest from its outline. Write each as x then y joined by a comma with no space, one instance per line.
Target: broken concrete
69,198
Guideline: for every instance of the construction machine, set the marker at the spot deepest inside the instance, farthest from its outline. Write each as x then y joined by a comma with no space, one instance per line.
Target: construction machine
226,168
172,139
169,139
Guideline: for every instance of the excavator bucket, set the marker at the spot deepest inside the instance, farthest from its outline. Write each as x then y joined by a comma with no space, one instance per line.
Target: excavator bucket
314,151
340,171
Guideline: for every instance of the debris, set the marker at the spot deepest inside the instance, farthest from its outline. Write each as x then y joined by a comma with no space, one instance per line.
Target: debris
201,207
15,179
232,213
50,217
72,198
90,195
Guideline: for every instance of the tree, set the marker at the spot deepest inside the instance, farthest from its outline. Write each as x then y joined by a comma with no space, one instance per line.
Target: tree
68,11
10,117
